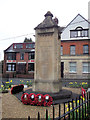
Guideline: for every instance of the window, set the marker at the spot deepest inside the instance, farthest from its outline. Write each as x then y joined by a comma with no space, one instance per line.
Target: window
72,67
84,33
61,50
31,67
31,56
21,56
85,49
73,34
11,67
18,46
72,50
86,67
79,32
30,45
21,68
11,56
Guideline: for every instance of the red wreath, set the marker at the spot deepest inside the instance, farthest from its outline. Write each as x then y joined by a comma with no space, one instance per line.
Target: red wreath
49,101
25,100
32,101
39,101
17,88
83,92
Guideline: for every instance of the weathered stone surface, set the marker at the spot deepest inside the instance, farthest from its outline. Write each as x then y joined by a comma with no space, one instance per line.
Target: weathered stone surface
47,57
48,22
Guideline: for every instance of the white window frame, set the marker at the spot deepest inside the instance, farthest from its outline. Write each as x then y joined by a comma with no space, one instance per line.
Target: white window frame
72,49
72,65
11,67
86,65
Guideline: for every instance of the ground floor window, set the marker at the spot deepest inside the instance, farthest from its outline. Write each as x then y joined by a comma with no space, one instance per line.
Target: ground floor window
11,67
86,67
21,68
72,66
31,67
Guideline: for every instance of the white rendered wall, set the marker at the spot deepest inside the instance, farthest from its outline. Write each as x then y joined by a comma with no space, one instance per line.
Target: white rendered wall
77,22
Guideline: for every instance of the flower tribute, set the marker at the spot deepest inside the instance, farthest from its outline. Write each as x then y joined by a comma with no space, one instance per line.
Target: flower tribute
32,99
39,99
25,98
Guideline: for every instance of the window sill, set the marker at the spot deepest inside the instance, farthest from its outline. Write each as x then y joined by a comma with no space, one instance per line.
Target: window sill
30,71
86,72
10,71
73,72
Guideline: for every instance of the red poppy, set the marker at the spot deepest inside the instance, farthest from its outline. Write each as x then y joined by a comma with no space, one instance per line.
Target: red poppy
25,98
32,99
39,99
48,100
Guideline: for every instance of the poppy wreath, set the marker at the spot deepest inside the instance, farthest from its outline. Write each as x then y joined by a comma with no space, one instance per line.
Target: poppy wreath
17,89
39,99
48,100
25,98
32,99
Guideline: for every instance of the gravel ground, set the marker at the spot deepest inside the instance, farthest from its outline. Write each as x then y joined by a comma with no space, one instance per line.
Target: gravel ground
13,108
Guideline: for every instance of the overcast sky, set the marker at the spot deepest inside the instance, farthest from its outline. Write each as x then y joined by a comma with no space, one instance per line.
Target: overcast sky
20,17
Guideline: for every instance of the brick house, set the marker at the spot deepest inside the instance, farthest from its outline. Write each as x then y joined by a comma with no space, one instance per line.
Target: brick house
75,53
19,60
75,49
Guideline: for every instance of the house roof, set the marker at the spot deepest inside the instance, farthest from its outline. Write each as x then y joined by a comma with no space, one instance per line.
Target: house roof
11,49
74,19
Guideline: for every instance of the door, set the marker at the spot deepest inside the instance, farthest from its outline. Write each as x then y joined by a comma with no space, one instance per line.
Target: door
62,69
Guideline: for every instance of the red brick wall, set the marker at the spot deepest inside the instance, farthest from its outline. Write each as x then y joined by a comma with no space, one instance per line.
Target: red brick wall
11,74
79,46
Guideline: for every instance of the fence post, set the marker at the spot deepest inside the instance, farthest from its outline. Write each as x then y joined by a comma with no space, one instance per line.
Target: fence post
88,103
73,111
76,110
46,114
64,110
85,108
53,112
28,117
38,116
59,110
82,109
79,109
69,109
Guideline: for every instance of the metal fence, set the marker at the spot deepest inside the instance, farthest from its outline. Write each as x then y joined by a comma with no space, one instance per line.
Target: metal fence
73,110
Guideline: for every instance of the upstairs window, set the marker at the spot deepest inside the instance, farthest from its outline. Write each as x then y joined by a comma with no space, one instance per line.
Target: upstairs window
21,56
18,46
30,45
61,50
11,56
31,56
73,34
85,49
72,50
79,32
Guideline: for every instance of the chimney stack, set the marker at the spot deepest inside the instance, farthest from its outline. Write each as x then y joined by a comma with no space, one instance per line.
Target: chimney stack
89,11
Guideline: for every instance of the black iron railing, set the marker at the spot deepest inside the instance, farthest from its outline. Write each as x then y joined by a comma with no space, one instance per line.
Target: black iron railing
75,110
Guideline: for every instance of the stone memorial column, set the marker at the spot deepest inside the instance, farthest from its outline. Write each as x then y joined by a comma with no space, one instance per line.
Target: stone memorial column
47,77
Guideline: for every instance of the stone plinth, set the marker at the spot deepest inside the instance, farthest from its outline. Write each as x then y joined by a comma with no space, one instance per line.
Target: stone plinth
47,77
